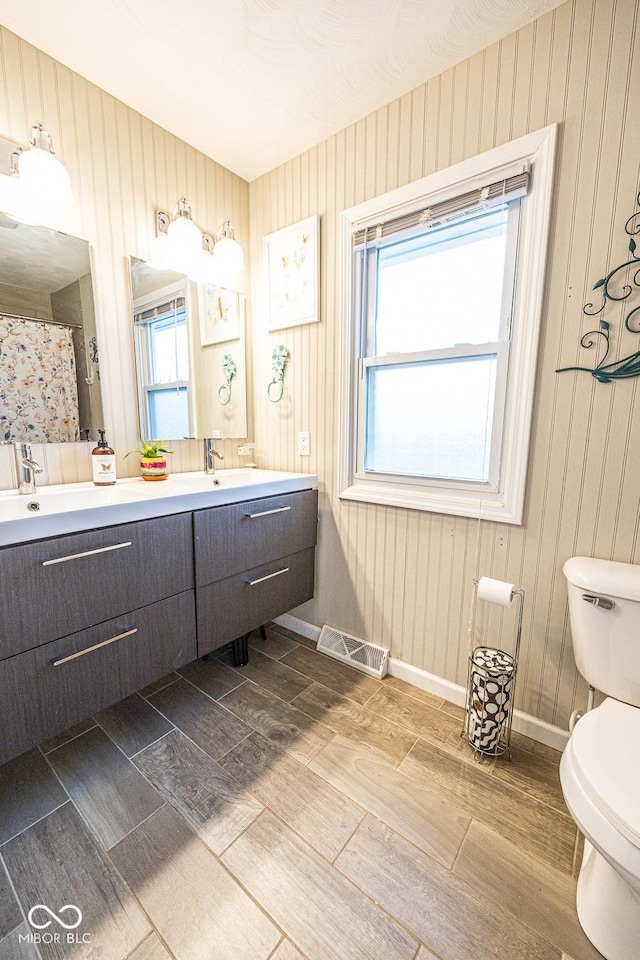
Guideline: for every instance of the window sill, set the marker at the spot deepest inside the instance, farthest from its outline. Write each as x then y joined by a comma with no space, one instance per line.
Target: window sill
489,506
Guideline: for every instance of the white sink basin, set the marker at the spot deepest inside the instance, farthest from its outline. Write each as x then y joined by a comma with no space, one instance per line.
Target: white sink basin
71,507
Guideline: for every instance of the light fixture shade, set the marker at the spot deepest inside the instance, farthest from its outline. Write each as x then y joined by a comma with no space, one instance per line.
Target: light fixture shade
184,236
44,177
228,255
204,269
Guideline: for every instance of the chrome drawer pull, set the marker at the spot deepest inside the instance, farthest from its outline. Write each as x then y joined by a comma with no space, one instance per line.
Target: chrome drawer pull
252,583
266,513
96,646
87,553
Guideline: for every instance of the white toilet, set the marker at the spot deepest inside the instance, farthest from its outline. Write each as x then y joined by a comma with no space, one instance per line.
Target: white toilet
600,767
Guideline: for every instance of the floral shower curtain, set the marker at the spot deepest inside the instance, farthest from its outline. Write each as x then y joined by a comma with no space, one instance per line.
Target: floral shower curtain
38,388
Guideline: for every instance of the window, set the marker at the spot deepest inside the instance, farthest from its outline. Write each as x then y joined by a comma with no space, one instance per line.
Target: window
441,308
163,375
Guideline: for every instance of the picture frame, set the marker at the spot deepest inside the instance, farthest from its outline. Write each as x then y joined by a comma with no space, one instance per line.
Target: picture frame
292,269
220,314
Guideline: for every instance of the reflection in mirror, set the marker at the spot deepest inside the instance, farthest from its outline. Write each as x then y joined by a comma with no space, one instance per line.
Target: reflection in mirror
49,364
190,356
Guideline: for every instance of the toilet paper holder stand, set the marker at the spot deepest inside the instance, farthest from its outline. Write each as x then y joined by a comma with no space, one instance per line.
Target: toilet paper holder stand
491,681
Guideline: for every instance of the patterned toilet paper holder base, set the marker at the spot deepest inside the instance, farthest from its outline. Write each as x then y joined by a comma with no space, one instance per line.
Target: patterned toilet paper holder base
491,682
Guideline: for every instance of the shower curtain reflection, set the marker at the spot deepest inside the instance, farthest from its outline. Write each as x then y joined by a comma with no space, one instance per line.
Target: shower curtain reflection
38,391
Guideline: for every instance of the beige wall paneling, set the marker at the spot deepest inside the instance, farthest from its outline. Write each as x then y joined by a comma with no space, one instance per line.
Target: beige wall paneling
402,578
397,577
122,168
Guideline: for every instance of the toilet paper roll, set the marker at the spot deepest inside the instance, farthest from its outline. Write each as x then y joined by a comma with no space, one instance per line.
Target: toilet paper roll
495,591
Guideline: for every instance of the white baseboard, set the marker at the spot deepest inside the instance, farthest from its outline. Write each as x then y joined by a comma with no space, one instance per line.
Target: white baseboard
522,722
308,630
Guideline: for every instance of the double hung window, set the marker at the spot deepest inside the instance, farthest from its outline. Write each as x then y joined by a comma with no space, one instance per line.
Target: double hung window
437,385
163,375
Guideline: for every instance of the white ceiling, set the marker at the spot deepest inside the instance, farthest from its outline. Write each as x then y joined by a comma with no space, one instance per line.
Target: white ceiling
253,83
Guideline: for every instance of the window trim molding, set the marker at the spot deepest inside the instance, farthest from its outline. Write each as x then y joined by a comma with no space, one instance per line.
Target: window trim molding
536,149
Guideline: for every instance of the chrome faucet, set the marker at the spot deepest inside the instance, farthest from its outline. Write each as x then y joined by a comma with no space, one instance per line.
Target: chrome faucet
27,468
210,454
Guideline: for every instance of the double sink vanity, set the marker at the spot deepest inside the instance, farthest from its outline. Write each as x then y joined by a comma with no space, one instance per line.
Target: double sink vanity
106,589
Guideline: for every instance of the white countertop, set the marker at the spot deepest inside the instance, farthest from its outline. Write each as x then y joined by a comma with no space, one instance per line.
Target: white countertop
73,507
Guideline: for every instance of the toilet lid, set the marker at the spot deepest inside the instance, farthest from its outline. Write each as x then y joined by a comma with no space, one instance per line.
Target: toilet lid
606,748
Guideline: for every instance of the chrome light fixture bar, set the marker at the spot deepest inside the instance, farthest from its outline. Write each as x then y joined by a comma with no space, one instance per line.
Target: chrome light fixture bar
183,247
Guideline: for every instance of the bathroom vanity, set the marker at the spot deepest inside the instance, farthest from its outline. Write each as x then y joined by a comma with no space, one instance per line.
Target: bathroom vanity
89,617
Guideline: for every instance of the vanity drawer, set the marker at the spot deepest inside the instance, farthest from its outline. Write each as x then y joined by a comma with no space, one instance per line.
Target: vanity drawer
231,539
55,587
232,607
46,690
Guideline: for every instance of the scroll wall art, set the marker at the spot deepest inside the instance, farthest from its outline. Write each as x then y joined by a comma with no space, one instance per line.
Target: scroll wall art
616,287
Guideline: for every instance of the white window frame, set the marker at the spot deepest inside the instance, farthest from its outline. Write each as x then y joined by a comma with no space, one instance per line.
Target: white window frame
143,368
502,500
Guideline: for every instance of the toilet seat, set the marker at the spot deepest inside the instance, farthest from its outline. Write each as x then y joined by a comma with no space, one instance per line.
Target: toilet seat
607,763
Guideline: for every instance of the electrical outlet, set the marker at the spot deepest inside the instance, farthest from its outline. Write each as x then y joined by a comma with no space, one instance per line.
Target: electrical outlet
304,443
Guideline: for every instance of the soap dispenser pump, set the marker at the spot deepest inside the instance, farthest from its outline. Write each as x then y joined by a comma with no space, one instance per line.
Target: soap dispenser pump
103,461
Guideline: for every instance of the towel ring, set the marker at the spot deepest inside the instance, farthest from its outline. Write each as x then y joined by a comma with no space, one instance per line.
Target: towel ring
279,360
224,390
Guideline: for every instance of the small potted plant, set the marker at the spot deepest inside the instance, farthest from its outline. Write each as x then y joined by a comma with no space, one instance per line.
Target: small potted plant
153,464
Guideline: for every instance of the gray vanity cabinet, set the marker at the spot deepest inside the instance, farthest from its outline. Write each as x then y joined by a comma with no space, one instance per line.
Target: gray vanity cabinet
45,690
89,618
54,587
253,561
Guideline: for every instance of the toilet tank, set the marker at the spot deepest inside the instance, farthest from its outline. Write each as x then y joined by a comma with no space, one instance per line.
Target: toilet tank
604,607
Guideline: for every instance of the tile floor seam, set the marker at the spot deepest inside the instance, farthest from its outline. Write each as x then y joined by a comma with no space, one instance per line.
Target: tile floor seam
379,906
65,742
145,696
39,820
517,791
218,858
464,837
129,832
331,865
14,891
196,687
337,732
276,948
474,891
142,749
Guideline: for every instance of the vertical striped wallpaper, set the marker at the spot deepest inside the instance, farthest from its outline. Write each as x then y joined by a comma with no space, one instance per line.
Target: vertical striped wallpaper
403,578
397,577
123,168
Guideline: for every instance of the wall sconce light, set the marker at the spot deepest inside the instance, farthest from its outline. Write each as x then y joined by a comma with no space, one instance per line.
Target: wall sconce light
34,185
227,252
180,245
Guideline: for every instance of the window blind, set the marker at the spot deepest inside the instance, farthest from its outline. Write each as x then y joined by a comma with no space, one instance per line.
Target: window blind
161,310
483,197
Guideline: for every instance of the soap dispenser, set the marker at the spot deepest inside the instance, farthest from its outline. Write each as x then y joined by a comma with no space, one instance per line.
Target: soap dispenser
103,461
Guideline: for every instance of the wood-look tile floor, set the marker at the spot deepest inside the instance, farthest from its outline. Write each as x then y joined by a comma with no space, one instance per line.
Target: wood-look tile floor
291,809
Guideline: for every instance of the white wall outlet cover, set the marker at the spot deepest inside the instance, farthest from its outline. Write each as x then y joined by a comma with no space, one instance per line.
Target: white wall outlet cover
304,443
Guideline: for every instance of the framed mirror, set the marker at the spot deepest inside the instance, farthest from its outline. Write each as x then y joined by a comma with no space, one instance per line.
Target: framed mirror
49,359
189,344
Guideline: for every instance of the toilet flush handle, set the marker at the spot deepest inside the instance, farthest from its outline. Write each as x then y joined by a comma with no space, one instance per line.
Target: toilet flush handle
602,602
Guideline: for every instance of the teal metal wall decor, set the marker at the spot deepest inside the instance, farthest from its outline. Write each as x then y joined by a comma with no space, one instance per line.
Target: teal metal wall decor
230,368
627,366
279,359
